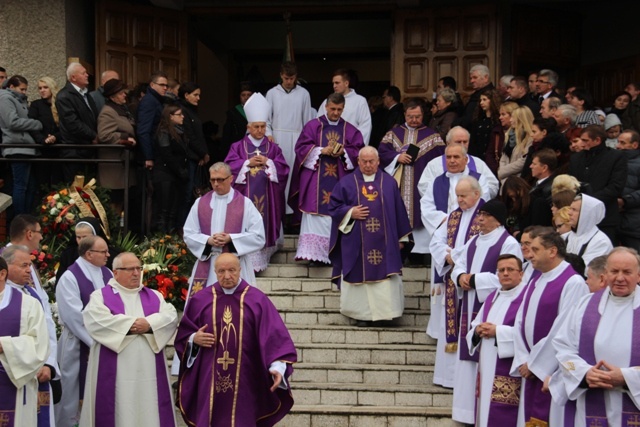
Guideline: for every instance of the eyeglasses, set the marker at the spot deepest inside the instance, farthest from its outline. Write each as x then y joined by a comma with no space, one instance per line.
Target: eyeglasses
219,180
161,84
525,244
544,82
35,231
130,269
106,251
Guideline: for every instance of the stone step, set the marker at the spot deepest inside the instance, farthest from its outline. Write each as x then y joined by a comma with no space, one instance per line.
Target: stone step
332,316
367,416
342,334
302,270
365,354
362,374
305,284
371,394
331,299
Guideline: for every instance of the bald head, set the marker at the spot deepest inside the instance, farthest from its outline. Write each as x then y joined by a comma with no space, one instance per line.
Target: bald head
227,267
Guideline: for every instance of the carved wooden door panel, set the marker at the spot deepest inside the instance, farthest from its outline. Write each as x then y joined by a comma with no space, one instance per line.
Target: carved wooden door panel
137,40
429,44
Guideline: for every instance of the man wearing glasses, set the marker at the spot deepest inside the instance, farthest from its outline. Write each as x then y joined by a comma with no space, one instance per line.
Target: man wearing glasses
149,112
130,325
83,277
546,85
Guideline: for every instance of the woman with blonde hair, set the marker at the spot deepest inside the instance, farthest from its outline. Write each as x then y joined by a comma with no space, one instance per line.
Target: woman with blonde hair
565,182
44,110
516,143
561,221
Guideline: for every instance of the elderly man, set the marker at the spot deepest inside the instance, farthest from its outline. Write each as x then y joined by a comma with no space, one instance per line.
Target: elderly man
78,119
461,224
546,84
548,298
474,272
549,107
595,347
325,152
98,94
480,80
130,324
369,223
492,335
235,351
596,273
76,285
23,351
585,239
261,173
628,232
223,220
459,135
404,153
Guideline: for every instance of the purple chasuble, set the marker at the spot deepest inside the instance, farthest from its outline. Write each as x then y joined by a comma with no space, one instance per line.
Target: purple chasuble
538,404
451,300
267,196
228,383
86,288
505,394
489,264
9,327
370,251
596,413
232,225
105,409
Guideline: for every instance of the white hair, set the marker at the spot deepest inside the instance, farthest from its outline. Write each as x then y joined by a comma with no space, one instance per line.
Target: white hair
506,79
71,69
462,147
367,149
471,181
452,132
481,69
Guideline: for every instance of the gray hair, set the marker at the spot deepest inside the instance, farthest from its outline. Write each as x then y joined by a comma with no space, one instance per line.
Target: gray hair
552,75
624,249
598,265
471,181
481,69
464,149
336,98
506,79
568,111
117,261
447,94
71,69
554,102
9,252
87,243
220,166
453,130
367,149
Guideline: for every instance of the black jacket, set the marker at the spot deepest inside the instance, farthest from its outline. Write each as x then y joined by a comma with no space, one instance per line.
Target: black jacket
171,161
192,125
472,103
526,101
605,172
540,203
40,110
78,122
631,196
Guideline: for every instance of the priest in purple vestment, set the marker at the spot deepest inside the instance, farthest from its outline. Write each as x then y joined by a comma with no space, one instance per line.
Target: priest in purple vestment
327,150
236,354
369,227
404,153
261,173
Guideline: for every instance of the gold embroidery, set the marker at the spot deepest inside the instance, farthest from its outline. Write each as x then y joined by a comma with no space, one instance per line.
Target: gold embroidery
372,225
506,390
374,257
452,347
369,193
235,394
254,170
223,384
601,422
197,286
534,422
333,138
227,318
631,422
259,204
331,170
44,398
569,366
5,418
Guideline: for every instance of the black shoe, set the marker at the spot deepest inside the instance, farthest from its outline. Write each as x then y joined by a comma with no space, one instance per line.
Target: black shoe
364,323
318,264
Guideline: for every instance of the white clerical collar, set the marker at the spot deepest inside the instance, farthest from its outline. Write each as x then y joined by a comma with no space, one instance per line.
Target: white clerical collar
368,178
509,291
228,196
472,208
119,288
232,290
255,142
80,90
464,172
409,127
88,265
332,123
497,230
621,300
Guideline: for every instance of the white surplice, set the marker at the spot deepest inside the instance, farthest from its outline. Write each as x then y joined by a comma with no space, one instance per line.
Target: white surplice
136,396
70,310
612,343
356,111
587,234
290,111
24,355
463,409
489,350
541,360
445,362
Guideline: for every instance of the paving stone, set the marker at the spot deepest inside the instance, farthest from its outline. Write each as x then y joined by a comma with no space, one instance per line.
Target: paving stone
328,336
307,302
381,377
414,399
335,397
376,398
407,422
329,421
342,376
320,355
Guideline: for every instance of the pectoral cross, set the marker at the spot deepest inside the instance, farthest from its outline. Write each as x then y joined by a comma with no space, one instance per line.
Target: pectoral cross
225,361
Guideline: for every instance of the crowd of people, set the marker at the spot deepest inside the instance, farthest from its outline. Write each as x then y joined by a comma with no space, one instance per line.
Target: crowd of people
517,199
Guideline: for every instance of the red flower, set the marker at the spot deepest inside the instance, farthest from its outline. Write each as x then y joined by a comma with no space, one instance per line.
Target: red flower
167,283
163,291
185,292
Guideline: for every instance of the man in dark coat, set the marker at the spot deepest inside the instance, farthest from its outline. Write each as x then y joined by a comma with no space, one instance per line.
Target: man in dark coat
480,81
629,202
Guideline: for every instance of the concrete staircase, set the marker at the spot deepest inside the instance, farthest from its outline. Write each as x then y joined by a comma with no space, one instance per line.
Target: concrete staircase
350,376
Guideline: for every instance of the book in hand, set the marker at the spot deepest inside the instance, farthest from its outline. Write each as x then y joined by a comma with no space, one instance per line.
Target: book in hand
336,148
413,151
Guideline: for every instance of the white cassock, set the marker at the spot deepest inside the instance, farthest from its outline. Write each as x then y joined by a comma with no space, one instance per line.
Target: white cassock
587,238
463,409
445,362
612,344
251,239
437,167
315,230
490,351
73,332
541,360
136,397
382,300
356,111
290,111
24,355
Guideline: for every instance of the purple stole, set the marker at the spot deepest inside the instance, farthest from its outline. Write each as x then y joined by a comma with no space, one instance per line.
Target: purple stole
537,403
105,407
330,169
471,164
441,186
232,225
505,394
86,288
596,413
450,293
489,264
9,327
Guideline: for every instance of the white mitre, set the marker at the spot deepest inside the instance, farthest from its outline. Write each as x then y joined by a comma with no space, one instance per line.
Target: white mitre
257,108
